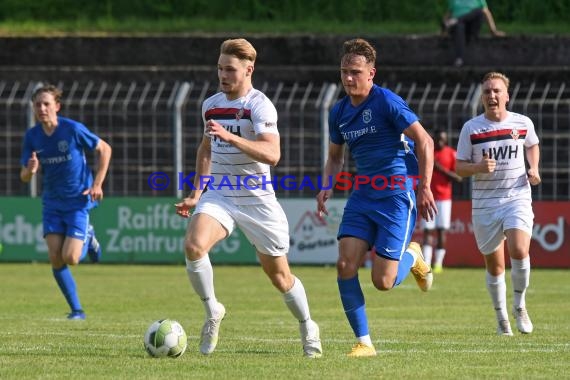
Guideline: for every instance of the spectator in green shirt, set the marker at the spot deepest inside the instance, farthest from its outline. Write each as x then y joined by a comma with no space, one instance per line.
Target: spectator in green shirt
463,21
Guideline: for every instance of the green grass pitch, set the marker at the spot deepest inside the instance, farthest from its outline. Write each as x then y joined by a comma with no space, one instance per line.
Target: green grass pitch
447,333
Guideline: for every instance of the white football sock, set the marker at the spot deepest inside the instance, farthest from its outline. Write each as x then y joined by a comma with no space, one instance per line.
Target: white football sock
498,291
520,276
365,340
296,300
201,275
439,255
427,250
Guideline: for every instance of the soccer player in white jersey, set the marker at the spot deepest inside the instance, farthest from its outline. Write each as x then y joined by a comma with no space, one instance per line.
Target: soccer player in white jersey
492,149
240,143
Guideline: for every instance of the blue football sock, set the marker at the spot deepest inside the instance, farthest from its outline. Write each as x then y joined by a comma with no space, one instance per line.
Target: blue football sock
66,283
406,263
353,303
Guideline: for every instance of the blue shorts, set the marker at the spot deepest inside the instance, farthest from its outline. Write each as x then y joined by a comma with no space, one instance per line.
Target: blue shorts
385,223
72,223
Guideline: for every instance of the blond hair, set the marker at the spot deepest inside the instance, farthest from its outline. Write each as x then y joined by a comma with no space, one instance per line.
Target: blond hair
239,48
51,89
496,75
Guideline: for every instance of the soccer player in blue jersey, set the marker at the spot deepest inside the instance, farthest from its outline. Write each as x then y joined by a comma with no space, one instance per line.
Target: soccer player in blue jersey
377,126
69,190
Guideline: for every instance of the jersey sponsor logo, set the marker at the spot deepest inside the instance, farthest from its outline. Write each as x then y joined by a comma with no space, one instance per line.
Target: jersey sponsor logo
502,152
63,146
367,115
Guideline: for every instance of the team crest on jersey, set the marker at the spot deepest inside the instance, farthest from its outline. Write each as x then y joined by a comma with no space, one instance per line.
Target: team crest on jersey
515,134
239,114
62,146
367,115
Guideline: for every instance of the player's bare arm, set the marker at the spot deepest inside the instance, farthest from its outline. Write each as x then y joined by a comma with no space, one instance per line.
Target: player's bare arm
533,157
266,148
103,152
424,150
449,173
467,169
28,171
335,161
203,161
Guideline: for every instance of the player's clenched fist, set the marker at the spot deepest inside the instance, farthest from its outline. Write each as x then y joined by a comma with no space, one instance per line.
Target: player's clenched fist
33,163
487,164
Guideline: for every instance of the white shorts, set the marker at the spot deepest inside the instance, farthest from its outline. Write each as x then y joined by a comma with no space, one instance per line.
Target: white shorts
264,225
489,229
442,219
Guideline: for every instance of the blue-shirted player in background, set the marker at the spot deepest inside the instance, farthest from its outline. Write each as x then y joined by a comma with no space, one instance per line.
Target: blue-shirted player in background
377,125
68,189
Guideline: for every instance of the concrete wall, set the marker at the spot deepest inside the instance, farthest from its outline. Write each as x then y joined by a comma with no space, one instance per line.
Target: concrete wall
290,58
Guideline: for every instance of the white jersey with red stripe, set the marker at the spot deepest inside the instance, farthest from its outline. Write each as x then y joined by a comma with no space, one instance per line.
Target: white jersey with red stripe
234,174
506,142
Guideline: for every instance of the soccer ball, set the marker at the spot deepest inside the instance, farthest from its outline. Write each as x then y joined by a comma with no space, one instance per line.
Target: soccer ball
165,338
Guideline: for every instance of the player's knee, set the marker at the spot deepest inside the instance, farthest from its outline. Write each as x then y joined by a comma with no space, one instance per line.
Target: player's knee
346,268
383,283
193,250
71,260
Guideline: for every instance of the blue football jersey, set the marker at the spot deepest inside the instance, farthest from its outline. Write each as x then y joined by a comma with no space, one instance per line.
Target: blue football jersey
373,132
65,173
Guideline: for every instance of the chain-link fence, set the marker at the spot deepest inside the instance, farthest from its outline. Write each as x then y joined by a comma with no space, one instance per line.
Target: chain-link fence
156,127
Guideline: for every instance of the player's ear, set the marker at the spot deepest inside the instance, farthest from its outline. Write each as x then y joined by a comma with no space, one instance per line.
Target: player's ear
249,70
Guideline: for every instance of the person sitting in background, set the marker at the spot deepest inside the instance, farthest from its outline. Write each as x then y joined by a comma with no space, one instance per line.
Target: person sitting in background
463,21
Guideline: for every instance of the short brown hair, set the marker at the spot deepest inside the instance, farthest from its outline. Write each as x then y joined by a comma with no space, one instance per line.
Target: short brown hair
496,75
240,48
49,88
359,46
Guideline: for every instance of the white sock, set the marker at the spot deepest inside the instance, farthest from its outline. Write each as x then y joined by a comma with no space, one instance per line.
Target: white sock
439,255
427,250
365,340
520,276
498,290
201,275
296,300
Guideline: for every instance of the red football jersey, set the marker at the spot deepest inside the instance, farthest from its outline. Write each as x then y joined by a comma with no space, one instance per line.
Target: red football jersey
441,185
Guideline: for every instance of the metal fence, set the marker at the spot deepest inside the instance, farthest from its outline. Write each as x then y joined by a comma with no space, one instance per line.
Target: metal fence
142,123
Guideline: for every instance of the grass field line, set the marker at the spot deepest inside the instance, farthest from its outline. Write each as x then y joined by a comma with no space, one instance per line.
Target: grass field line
520,346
